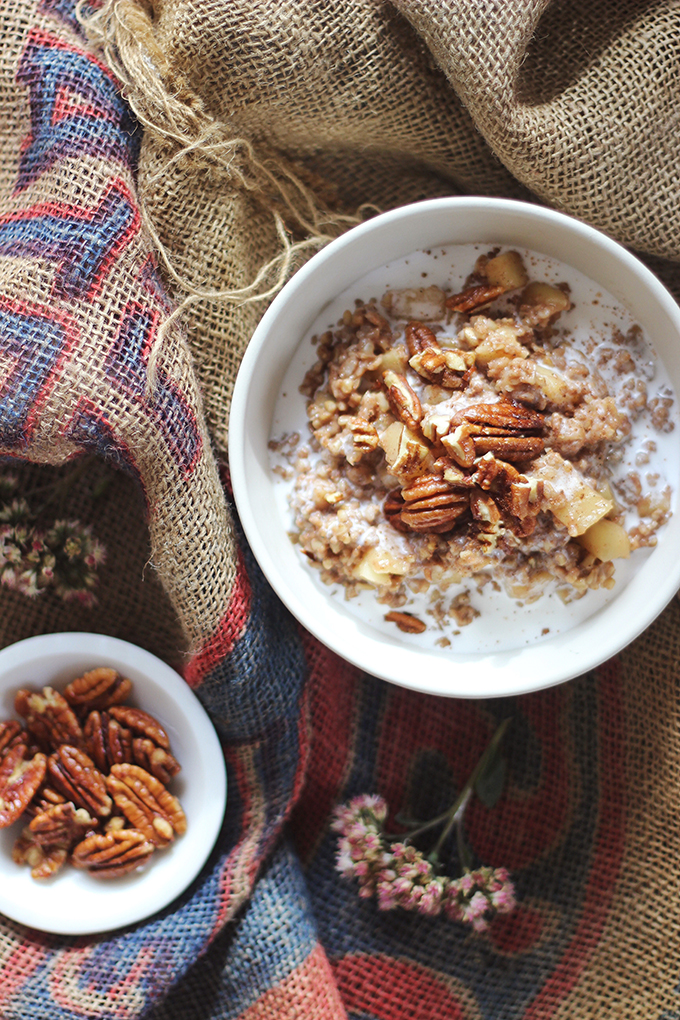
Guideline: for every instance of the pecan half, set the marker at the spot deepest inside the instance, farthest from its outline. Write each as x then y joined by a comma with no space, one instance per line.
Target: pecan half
49,718
510,431
45,843
11,733
392,507
474,297
60,825
428,485
45,797
156,760
433,505
407,622
99,688
111,854
19,780
141,724
146,804
106,740
73,773
419,337
505,414
517,448
402,399
44,861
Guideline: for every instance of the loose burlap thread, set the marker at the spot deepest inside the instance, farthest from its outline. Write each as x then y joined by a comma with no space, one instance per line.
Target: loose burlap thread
263,130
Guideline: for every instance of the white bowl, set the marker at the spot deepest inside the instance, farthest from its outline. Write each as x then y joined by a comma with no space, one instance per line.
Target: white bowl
73,902
301,304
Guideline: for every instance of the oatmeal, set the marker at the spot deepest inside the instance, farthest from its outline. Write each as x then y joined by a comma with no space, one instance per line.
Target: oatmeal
471,442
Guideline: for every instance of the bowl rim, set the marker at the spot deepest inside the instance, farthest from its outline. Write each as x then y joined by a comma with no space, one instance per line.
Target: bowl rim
103,904
394,661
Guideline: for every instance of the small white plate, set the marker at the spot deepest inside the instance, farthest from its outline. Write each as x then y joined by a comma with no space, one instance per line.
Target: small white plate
73,902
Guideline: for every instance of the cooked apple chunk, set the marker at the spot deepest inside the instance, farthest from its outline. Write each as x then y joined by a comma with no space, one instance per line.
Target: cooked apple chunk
606,540
567,494
507,271
378,566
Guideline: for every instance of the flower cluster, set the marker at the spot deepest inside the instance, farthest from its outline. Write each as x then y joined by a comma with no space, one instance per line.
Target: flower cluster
398,874
361,853
64,556
477,896
74,557
24,562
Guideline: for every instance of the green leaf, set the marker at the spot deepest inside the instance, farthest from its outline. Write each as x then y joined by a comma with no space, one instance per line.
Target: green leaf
490,783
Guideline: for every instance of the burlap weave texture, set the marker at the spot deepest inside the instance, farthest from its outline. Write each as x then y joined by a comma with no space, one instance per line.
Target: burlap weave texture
163,166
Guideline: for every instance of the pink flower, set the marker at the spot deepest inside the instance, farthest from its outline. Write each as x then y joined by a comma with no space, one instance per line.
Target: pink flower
409,882
479,895
360,849
400,876
367,808
504,899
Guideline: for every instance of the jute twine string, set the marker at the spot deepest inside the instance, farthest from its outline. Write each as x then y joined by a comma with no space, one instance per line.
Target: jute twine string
171,112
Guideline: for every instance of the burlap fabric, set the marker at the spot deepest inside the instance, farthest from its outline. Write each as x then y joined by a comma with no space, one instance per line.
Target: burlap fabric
162,169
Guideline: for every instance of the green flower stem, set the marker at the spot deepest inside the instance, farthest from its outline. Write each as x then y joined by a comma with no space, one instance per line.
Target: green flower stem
456,818
463,852
455,813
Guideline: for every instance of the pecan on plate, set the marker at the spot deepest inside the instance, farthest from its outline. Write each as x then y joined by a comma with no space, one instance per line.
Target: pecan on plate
49,718
19,780
75,775
432,504
146,804
45,843
509,430
45,797
141,724
97,689
111,854
11,733
156,760
43,861
61,825
106,740
150,742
